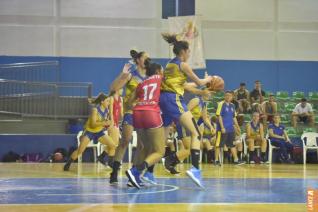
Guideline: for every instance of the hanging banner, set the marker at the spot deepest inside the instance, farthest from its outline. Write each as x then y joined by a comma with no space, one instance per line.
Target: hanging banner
189,28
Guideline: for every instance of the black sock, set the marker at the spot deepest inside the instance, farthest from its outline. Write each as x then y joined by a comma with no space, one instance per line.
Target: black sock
110,161
239,155
251,155
142,166
195,157
263,155
103,154
174,159
150,168
70,160
116,166
210,155
167,152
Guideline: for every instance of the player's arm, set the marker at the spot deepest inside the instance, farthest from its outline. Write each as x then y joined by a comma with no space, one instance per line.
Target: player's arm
218,114
286,137
121,107
236,126
273,135
206,120
192,88
94,121
261,130
248,130
132,98
189,72
111,108
122,79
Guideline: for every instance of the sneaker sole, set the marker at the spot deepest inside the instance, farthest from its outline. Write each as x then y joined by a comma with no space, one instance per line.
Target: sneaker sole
240,164
195,180
146,179
132,179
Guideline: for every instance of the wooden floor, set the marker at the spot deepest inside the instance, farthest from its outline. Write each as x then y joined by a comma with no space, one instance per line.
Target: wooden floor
45,187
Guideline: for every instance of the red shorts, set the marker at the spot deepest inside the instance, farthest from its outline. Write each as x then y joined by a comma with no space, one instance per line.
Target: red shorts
146,119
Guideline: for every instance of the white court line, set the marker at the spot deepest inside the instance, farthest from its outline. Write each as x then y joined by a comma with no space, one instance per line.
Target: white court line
173,188
163,203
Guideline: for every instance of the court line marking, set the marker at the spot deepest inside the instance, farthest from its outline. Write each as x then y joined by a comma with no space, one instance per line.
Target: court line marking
173,188
164,203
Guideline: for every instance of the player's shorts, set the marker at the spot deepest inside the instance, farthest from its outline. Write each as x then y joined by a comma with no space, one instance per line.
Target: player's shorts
128,119
226,138
146,119
94,136
172,107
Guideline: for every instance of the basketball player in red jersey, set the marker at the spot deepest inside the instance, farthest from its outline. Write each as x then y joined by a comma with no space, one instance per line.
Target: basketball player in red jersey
148,123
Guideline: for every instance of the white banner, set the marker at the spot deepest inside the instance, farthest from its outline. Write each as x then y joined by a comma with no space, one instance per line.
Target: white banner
189,28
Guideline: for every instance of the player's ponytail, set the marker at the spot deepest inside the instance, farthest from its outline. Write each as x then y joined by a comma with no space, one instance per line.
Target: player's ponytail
135,55
100,98
178,45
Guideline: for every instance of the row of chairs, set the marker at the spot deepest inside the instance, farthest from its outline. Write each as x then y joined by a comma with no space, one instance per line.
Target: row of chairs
309,142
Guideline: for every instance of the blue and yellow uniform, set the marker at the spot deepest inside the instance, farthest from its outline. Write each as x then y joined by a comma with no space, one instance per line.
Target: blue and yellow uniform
130,87
172,89
94,133
227,112
197,111
255,130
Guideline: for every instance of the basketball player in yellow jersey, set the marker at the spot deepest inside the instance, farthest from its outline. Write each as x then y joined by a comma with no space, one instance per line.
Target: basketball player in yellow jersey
131,76
198,109
95,130
173,107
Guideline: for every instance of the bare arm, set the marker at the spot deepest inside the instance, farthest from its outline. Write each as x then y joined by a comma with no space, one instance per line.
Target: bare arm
271,134
111,108
206,120
286,136
122,79
261,130
248,130
189,72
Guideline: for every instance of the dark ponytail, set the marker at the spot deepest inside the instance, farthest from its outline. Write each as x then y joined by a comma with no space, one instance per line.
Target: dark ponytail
101,97
136,55
178,45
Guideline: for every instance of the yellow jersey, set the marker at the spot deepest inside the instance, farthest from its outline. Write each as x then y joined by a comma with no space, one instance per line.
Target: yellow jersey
174,78
101,116
197,110
131,86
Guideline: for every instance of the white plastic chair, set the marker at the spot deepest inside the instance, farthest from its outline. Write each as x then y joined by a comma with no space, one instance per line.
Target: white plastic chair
309,140
270,149
244,140
132,145
96,147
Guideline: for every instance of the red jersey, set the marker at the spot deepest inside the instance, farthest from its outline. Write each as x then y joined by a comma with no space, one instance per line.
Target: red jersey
116,110
148,94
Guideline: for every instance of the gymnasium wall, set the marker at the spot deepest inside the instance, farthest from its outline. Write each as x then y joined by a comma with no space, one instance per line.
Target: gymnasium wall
273,40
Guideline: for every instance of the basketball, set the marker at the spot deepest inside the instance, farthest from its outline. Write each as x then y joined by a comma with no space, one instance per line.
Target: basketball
216,84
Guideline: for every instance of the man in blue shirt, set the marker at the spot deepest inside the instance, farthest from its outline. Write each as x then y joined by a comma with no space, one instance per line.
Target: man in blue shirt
279,138
226,126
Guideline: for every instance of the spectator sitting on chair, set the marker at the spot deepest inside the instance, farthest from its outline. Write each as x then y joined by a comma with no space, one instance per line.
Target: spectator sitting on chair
303,113
257,96
269,108
279,138
242,95
255,137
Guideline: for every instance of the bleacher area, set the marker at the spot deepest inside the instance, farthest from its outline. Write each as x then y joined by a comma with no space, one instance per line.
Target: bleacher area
285,103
